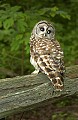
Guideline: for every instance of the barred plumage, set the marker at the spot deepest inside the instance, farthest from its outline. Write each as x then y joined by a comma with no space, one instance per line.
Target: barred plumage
46,53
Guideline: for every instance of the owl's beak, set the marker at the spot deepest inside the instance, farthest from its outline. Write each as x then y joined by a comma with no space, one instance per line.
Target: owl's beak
45,34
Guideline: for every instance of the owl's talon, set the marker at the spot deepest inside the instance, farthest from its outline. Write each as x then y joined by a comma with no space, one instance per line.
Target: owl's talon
35,72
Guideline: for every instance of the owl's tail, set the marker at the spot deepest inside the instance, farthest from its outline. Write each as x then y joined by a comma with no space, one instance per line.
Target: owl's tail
57,83
56,79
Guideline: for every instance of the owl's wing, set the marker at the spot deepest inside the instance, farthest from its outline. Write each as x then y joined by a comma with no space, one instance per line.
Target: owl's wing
53,69
52,65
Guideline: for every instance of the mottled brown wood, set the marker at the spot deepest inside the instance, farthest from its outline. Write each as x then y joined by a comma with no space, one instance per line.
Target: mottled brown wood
26,92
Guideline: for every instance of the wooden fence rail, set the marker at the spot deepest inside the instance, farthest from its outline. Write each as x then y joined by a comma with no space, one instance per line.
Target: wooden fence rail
26,92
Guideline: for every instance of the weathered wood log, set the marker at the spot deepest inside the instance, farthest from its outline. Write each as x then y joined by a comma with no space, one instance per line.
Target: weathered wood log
26,92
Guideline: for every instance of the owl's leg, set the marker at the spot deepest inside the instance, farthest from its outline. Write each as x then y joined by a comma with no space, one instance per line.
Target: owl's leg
35,72
34,63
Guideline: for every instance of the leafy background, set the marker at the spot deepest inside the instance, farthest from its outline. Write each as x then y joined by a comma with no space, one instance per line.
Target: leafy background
17,19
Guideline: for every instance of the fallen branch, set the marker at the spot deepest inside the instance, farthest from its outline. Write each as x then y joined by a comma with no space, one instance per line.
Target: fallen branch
26,92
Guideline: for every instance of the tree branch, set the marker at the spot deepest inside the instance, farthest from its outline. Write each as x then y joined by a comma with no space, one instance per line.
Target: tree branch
26,92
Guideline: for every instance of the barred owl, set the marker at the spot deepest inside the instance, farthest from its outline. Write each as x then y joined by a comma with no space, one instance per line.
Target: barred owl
46,54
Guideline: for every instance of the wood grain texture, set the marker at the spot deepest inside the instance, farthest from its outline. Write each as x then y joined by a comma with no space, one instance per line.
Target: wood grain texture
26,92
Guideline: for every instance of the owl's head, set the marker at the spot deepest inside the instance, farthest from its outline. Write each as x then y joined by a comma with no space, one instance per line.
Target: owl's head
44,29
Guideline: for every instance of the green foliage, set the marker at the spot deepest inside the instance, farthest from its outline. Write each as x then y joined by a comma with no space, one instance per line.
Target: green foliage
63,107
13,35
62,116
16,23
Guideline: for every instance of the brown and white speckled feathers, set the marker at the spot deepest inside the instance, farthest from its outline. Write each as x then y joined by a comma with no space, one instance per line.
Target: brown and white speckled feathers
47,57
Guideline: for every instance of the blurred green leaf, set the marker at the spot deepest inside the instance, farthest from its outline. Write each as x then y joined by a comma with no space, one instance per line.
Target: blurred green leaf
15,45
63,14
54,9
15,8
21,25
8,23
0,24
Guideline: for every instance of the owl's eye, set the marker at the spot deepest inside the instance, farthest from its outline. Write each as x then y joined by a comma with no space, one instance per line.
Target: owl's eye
41,28
49,31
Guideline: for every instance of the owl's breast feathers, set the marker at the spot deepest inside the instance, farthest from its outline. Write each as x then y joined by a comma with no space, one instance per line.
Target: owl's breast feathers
45,46
49,58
